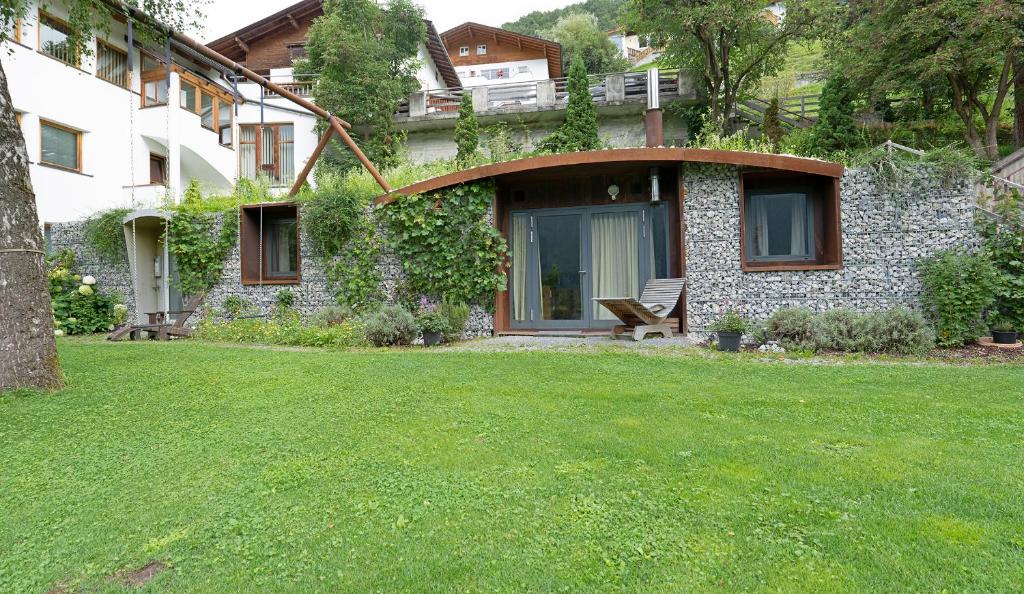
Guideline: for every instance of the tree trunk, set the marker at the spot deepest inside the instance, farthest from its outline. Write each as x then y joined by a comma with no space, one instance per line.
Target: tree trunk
28,350
1018,103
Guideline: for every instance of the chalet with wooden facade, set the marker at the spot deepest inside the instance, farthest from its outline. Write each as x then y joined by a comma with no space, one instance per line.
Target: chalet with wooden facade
485,55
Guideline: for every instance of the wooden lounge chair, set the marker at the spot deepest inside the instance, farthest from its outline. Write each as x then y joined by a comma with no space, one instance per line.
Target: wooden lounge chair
159,325
649,314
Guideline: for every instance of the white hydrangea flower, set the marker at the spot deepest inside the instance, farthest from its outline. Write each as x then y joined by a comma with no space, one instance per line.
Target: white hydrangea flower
85,290
89,280
58,333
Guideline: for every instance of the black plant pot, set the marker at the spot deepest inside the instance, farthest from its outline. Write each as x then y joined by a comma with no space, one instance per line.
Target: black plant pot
432,338
729,341
1004,337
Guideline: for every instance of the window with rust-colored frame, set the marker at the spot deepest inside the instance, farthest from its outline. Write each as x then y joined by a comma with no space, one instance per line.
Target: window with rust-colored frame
789,222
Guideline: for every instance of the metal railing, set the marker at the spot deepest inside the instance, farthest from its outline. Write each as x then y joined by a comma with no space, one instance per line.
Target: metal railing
549,93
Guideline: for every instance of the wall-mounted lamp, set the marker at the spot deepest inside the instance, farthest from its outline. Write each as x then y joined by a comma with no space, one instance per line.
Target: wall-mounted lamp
613,191
655,185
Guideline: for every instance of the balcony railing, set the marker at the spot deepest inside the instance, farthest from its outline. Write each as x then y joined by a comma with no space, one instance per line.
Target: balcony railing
605,89
302,85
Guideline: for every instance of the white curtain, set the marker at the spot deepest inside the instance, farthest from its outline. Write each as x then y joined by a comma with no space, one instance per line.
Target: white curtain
759,232
520,241
798,239
615,258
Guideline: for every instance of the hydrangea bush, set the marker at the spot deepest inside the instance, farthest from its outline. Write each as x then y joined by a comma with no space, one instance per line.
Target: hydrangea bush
78,306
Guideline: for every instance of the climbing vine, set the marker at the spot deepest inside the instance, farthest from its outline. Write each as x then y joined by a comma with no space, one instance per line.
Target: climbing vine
198,249
354,273
104,232
336,219
447,244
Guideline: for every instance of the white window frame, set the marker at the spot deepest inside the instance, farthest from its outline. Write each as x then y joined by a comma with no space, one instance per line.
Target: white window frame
464,51
481,50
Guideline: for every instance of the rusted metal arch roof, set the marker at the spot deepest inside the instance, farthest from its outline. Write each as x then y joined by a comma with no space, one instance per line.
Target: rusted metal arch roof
663,156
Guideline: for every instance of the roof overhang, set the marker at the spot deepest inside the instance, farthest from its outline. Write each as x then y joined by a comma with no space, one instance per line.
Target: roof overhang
651,156
233,44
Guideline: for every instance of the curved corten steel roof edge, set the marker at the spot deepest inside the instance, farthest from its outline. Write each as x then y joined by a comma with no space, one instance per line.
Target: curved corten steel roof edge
618,156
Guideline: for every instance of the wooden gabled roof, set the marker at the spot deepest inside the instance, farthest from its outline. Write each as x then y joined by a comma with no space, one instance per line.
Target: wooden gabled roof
235,45
552,50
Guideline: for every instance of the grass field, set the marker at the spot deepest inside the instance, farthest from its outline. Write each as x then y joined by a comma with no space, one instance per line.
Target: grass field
258,470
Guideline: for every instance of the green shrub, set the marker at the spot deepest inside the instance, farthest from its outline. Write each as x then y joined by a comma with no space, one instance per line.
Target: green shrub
837,330
899,331
836,128
958,288
333,315
731,321
391,325
1005,247
792,328
235,305
433,321
457,314
289,332
285,299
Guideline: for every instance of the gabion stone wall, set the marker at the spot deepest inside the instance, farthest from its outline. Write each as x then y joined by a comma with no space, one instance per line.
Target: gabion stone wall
883,237
110,278
313,293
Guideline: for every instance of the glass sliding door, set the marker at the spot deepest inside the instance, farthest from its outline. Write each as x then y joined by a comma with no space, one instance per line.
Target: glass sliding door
562,258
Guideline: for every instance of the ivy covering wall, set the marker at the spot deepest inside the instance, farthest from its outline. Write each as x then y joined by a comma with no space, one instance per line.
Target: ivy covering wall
447,243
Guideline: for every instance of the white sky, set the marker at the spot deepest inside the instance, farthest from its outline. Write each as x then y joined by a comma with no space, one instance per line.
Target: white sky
225,16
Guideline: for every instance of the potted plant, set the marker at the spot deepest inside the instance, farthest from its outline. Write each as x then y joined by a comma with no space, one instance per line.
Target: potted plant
730,329
1003,329
433,324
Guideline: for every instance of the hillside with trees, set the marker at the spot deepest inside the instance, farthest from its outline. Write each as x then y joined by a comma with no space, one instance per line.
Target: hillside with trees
537,22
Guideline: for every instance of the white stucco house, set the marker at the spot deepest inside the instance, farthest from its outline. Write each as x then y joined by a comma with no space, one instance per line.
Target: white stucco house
121,127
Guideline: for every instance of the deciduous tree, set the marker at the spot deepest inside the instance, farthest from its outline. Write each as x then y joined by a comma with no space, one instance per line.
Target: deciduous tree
365,57
580,36
960,49
729,44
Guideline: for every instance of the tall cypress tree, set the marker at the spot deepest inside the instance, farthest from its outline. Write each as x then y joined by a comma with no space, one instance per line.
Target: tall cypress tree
579,131
467,129
836,128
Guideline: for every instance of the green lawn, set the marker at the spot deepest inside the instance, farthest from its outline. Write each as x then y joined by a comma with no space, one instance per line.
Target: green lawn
255,470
